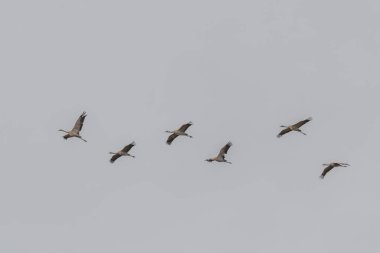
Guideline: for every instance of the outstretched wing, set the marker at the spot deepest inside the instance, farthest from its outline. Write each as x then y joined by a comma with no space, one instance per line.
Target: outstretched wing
115,157
171,138
326,170
184,127
79,124
128,147
284,131
225,149
302,122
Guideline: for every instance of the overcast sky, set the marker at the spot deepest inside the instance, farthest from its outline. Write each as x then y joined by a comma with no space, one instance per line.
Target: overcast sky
238,70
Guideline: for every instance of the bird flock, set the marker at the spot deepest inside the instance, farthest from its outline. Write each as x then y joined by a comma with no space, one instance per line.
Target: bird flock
75,133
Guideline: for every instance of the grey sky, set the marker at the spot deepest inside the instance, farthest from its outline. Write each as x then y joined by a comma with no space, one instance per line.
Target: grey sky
237,70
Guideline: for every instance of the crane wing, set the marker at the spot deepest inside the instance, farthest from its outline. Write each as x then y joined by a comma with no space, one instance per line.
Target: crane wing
115,157
302,122
79,123
326,170
184,127
171,138
128,147
225,149
284,131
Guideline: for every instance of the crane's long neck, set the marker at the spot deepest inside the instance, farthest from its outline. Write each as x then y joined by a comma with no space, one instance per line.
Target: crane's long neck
170,132
112,153
63,131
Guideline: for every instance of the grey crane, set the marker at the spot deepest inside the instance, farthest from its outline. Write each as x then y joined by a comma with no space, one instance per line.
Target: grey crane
294,127
76,129
123,152
179,132
331,166
220,157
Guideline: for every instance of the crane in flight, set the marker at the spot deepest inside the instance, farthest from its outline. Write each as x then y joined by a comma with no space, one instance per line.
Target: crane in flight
179,132
221,156
123,152
331,166
294,127
75,132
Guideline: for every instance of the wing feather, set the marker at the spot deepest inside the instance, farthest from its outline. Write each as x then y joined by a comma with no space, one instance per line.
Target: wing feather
326,170
302,122
115,157
128,147
284,131
184,127
225,149
171,138
79,123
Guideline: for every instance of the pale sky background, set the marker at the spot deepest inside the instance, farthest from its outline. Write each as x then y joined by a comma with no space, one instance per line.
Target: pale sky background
238,70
